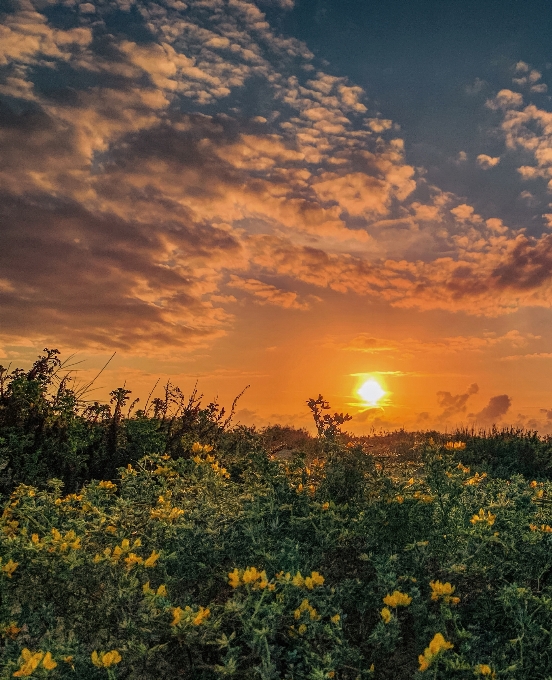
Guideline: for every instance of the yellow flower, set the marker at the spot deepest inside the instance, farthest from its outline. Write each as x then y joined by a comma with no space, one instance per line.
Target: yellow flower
178,613
250,575
335,618
331,674
483,669
48,663
131,560
146,589
152,559
397,599
105,659
234,578
30,662
386,615
325,506
111,529
107,485
437,645
302,629
201,616
444,590
482,517
35,539
161,591
10,567
298,580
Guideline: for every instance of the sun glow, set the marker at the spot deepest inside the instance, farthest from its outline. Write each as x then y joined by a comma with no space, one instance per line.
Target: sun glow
371,392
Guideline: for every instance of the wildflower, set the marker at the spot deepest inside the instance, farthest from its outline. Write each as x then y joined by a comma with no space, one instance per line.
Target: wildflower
10,630
105,659
30,663
68,659
250,575
302,629
110,529
399,499
107,485
335,618
146,589
178,613
152,559
472,481
161,591
463,468
315,579
483,669
10,567
325,506
298,580
533,484
48,663
331,674
444,590
386,615
482,517
397,599
437,645
202,614
234,578
35,539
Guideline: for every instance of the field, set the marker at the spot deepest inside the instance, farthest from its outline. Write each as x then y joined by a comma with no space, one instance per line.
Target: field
166,543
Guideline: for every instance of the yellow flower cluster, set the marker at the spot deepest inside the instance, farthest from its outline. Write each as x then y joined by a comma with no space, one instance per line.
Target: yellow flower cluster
197,619
164,471
131,559
455,446
59,542
306,607
463,468
309,582
250,576
31,661
106,659
476,479
483,516
165,511
209,460
397,599
543,527
483,669
443,591
106,484
437,645
9,567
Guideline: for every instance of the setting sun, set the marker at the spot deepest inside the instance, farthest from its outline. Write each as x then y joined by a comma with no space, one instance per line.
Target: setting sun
371,392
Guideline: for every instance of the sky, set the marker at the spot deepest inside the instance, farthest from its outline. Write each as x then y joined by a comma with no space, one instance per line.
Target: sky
294,196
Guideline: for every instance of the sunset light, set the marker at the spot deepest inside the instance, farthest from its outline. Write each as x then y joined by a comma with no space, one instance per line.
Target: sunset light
371,392
218,192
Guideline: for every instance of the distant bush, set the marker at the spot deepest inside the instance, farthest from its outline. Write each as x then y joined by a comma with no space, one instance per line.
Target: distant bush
508,451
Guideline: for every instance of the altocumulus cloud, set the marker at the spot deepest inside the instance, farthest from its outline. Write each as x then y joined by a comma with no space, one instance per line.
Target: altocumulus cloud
158,156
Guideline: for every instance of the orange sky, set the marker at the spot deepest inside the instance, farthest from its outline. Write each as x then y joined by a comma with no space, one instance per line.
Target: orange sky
195,189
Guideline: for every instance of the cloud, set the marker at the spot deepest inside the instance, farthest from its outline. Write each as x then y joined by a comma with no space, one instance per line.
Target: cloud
487,162
505,99
496,408
454,404
268,294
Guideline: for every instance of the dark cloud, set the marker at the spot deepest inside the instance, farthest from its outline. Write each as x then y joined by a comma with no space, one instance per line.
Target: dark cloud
454,404
495,409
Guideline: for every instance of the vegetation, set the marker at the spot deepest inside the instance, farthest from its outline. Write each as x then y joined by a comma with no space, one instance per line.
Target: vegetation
165,543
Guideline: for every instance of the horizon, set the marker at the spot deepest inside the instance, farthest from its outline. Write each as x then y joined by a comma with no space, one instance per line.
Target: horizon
303,196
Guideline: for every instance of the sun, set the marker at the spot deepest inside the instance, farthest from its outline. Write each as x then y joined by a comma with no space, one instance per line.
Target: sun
371,392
